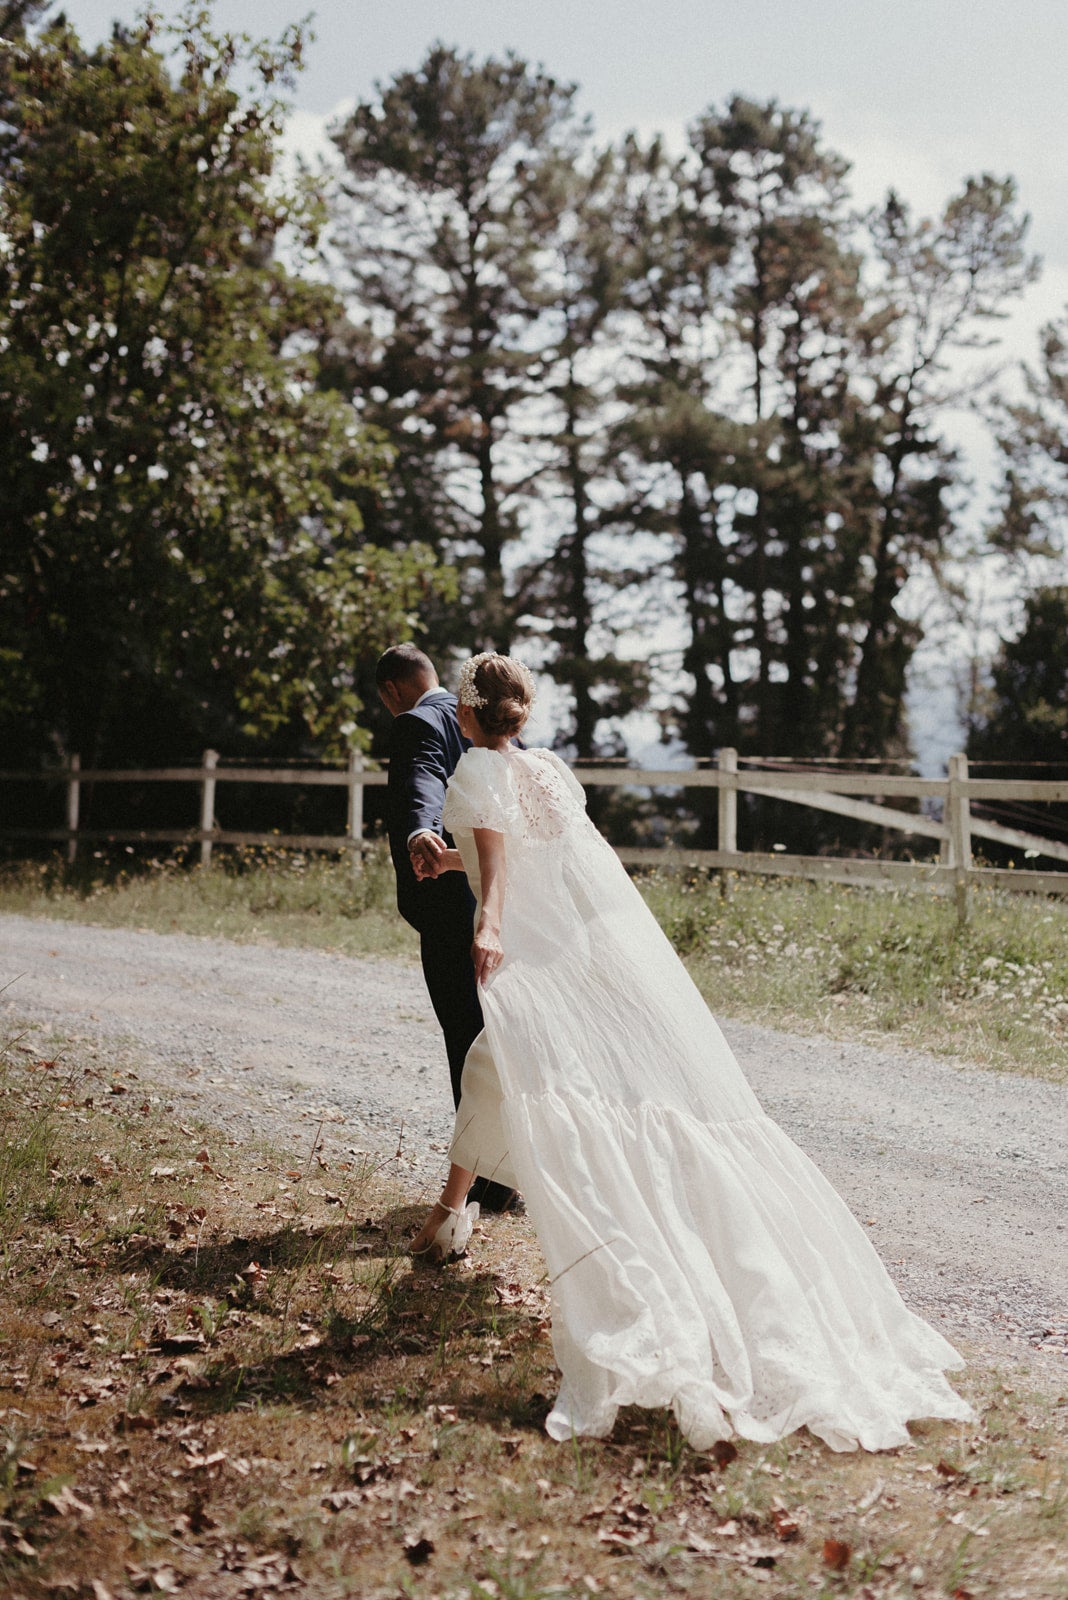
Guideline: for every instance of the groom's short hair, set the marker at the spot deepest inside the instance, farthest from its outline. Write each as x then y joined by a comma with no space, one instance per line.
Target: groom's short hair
403,663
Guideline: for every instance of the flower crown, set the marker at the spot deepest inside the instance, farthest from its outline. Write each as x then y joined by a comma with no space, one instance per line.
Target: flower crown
466,692
468,695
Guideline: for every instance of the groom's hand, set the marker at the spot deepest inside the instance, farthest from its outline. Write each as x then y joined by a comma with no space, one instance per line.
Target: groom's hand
426,850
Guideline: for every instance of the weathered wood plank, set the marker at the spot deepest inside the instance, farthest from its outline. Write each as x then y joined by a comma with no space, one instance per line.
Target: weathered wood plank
286,841
757,782
780,864
1051,849
1052,791
864,811
313,777
1019,880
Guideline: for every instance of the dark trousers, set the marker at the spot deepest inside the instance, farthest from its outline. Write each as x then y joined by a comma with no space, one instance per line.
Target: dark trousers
450,981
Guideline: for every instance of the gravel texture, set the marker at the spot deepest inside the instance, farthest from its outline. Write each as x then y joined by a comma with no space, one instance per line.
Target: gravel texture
960,1175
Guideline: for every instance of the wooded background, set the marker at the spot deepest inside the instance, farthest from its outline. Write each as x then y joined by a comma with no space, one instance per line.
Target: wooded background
670,423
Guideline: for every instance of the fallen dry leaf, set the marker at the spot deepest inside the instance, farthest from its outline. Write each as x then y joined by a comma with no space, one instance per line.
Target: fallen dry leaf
786,1526
723,1452
65,1501
836,1555
342,1499
164,1578
625,1538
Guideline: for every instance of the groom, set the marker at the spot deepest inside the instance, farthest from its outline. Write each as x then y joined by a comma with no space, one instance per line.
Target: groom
426,745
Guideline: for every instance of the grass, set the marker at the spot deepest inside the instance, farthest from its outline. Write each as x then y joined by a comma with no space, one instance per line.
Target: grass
219,1373
882,966
886,967
249,896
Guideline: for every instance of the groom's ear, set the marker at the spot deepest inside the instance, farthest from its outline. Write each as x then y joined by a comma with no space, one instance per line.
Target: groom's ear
387,693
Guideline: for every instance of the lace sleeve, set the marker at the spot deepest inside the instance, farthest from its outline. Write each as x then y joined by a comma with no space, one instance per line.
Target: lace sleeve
480,795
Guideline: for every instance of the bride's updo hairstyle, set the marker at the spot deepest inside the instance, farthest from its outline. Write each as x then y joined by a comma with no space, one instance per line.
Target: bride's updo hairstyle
499,690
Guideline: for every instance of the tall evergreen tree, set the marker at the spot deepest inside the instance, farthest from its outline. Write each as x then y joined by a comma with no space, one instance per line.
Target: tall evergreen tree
1033,437
566,592
673,433
749,301
796,407
1023,715
944,283
792,307
443,229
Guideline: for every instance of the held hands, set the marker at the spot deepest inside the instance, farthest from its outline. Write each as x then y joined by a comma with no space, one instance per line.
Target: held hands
425,851
486,953
430,856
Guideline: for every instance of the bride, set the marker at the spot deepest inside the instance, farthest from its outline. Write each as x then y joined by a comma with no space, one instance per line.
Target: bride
697,1258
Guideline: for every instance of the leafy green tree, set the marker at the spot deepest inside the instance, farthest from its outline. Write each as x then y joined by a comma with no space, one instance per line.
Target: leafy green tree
16,16
182,558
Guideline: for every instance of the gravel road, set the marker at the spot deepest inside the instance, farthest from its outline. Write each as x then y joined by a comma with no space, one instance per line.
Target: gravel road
960,1175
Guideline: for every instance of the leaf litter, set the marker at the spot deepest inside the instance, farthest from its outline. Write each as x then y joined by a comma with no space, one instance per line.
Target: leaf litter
202,1389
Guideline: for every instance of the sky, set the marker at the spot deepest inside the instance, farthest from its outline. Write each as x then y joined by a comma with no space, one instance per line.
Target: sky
917,94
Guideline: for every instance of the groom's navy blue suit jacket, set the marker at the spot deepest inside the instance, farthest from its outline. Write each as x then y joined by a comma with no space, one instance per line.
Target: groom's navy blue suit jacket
426,745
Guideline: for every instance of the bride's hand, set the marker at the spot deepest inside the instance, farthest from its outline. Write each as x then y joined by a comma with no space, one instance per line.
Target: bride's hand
486,954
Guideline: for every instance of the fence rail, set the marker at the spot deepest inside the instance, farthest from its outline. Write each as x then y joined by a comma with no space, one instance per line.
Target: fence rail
860,796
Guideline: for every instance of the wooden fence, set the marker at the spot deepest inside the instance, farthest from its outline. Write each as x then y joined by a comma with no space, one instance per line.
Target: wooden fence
862,796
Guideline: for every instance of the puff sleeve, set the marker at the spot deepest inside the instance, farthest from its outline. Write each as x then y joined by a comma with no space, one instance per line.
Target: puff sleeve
481,794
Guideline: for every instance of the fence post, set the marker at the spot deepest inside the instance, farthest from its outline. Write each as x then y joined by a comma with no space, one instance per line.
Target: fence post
958,823
207,805
74,790
727,834
355,827
727,822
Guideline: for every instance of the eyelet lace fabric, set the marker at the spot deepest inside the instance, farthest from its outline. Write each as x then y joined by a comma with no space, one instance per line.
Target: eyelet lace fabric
530,795
698,1259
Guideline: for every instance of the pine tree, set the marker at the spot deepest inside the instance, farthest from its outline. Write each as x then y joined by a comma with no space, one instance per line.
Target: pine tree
443,224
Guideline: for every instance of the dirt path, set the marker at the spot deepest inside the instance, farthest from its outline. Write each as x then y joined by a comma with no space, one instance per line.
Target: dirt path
961,1175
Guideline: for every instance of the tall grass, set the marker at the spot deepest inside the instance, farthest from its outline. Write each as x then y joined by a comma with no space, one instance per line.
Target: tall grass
881,965
250,896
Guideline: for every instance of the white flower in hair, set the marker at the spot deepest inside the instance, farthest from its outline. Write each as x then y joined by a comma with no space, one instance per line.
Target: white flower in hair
466,692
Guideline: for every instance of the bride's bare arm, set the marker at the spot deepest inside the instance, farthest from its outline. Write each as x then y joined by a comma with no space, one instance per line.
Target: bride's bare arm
486,952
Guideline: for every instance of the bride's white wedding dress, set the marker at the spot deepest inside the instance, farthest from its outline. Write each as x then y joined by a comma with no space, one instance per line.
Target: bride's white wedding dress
698,1259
